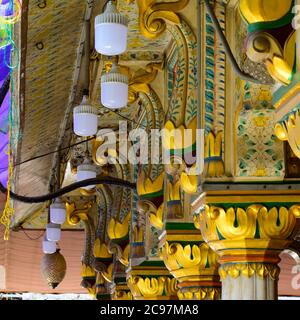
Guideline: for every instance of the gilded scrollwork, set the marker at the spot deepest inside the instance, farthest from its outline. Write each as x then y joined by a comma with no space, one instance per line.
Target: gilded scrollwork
153,16
263,43
139,82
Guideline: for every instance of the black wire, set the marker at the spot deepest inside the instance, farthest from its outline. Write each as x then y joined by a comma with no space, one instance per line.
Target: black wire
33,239
52,152
70,188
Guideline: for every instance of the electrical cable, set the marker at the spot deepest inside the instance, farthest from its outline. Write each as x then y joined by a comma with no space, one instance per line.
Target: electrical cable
52,152
70,188
33,239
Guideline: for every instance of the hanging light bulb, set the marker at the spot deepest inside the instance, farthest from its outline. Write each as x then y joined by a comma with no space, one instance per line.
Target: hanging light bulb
53,232
85,119
49,247
58,212
114,89
86,171
111,29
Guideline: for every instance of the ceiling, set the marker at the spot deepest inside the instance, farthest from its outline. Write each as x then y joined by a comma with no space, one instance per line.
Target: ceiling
52,40
52,59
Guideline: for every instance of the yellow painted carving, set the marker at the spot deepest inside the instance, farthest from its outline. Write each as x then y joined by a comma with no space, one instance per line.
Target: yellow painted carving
121,294
146,186
156,219
87,271
138,234
200,294
289,130
264,10
108,274
241,224
277,224
262,47
154,15
74,216
173,191
179,138
117,229
177,257
213,148
101,250
151,288
249,269
121,255
140,81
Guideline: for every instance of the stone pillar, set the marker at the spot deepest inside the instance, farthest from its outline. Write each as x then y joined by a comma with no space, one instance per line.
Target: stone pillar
249,281
248,241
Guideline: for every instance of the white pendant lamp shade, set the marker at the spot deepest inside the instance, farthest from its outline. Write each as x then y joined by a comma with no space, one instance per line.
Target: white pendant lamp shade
58,212
49,247
85,119
86,171
114,89
111,29
53,232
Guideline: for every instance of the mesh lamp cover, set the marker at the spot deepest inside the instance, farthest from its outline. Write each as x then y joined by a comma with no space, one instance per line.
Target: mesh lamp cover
53,268
86,171
85,119
114,89
58,212
111,30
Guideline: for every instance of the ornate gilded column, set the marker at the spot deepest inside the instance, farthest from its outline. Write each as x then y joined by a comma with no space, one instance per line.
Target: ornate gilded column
119,246
147,276
120,290
76,214
248,240
183,251
103,258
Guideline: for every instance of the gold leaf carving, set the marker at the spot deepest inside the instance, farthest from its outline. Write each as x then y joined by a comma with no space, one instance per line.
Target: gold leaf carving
153,16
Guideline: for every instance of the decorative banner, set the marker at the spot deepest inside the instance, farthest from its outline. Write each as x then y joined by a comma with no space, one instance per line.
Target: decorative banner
10,12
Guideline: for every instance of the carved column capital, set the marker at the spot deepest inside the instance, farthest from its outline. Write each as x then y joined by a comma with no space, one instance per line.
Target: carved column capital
193,264
253,234
248,241
152,281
